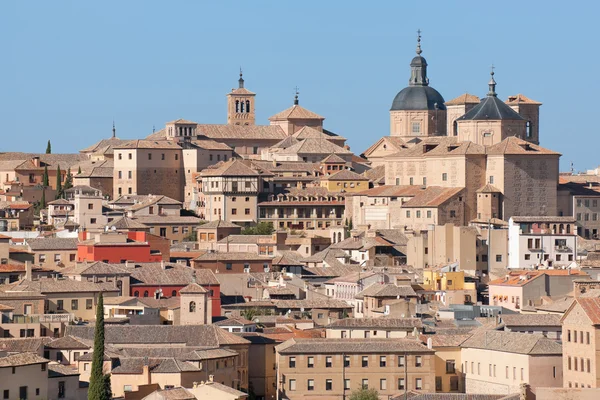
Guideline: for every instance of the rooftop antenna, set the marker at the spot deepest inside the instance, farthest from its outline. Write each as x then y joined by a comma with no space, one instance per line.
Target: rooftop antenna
572,168
153,129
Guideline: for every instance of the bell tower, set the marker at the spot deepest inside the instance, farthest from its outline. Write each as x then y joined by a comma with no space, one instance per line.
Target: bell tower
240,105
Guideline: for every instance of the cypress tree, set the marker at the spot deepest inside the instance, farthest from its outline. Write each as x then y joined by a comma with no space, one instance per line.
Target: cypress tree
68,180
45,178
59,189
99,388
43,199
49,148
79,170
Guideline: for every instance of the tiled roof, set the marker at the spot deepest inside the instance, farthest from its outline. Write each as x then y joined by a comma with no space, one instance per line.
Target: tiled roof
295,112
315,146
172,394
218,224
453,396
182,121
531,320
126,223
149,144
160,365
351,346
61,285
333,159
487,188
21,359
520,278
543,219
167,219
386,290
433,196
190,335
232,256
591,307
193,288
104,143
96,268
4,307
69,342
52,244
310,132
388,323
23,345
345,175
514,145
171,274
391,191
59,371
287,258
152,200
465,98
520,98
442,340
513,342
230,168
247,239
226,389
239,321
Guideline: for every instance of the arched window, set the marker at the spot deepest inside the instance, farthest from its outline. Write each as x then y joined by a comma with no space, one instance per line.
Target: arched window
339,237
174,293
455,128
561,228
242,106
192,306
247,106
568,228
145,293
237,106
136,294
528,129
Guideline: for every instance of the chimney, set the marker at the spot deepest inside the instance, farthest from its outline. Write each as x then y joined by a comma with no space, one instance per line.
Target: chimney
429,343
211,378
162,264
146,372
28,271
36,161
523,392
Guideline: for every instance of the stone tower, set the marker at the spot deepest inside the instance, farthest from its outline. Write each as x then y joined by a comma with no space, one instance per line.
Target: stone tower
530,110
194,306
240,105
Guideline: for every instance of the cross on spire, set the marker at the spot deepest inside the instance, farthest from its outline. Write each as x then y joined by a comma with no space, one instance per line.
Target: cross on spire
114,130
241,80
419,51
492,83
297,92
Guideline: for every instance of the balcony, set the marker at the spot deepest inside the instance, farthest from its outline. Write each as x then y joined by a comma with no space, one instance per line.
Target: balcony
563,249
42,318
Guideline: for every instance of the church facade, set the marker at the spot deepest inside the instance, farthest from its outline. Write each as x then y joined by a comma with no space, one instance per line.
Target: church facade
486,146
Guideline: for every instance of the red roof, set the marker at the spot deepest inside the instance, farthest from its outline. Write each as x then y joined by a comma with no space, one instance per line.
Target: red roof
591,307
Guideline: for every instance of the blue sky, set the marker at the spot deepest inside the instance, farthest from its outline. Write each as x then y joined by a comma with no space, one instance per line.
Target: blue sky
68,68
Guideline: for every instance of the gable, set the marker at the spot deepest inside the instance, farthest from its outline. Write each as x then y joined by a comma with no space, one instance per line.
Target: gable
575,315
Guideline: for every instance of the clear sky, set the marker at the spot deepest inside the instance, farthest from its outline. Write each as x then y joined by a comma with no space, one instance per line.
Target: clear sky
68,68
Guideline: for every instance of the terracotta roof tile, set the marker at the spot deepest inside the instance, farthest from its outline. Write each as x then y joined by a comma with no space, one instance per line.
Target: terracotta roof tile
295,112
465,98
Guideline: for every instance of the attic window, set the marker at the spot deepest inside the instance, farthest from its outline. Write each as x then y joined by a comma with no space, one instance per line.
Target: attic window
450,148
429,147
487,134
527,147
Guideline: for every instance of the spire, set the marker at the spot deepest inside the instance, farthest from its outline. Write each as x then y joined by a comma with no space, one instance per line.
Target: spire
492,84
114,130
296,96
418,67
241,80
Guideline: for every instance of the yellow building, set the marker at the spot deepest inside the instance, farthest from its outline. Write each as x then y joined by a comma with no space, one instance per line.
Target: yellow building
345,181
448,287
449,375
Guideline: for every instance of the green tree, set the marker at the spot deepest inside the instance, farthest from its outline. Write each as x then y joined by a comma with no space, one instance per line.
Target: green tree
99,388
262,228
59,189
364,394
49,148
45,178
43,199
68,180
79,170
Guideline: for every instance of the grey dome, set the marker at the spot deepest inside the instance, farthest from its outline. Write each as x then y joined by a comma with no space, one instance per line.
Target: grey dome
418,98
418,61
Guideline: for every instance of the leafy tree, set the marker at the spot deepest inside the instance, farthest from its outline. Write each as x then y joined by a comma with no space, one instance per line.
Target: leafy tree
45,178
68,180
59,189
49,148
262,228
249,313
99,388
364,394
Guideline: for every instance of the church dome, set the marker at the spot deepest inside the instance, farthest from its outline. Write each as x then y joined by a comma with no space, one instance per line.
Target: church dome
418,95
418,98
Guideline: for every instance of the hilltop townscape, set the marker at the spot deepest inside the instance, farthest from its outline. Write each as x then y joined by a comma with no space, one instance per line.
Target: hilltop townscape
450,260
